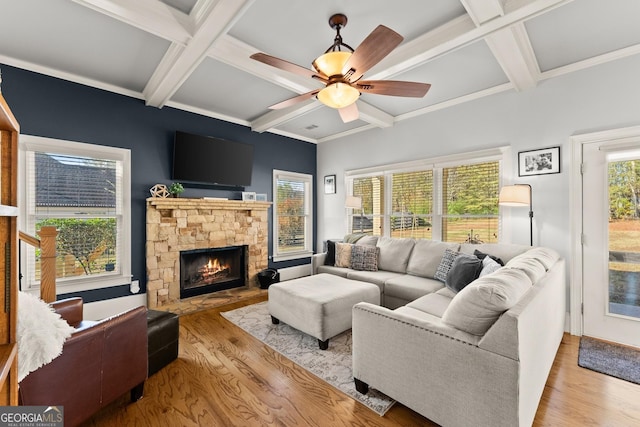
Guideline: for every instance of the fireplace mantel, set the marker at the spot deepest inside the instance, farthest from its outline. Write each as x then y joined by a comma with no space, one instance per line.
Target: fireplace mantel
180,224
183,203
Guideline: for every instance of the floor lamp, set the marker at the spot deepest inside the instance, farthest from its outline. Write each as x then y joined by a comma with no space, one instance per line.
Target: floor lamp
518,195
355,202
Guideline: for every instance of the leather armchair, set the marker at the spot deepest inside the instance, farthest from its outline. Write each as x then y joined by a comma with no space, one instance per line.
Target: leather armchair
100,362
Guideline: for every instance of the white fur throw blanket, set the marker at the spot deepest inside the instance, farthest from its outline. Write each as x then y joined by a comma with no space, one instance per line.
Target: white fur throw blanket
41,334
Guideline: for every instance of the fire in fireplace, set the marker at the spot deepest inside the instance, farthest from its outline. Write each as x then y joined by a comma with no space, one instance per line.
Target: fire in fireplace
204,271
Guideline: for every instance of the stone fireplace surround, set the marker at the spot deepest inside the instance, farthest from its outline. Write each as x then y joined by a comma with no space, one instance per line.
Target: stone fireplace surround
180,224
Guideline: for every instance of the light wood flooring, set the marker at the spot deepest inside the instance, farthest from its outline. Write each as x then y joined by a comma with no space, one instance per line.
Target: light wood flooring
225,377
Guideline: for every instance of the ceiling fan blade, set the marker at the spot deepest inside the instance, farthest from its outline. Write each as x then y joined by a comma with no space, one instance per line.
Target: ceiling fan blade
286,65
393,88
349,113
376,46
295,100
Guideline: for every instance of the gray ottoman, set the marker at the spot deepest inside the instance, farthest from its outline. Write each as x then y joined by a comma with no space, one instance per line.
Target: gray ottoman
319,305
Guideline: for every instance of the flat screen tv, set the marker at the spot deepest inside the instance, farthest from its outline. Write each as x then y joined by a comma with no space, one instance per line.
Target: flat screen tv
210,160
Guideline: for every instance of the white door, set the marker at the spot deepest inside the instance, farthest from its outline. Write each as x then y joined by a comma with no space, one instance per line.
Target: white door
611,244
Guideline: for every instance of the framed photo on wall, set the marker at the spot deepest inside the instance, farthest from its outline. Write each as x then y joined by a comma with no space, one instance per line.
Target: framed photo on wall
330,184
539,162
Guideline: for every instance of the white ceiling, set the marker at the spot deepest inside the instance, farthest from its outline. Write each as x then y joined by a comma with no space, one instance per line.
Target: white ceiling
194,54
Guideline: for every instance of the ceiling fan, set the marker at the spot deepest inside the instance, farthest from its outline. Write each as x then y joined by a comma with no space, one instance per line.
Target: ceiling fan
341,71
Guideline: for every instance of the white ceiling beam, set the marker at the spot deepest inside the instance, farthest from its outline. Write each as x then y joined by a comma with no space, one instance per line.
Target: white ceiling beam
454,35
482,11
151,16
277,117
236,53
178,63
512,49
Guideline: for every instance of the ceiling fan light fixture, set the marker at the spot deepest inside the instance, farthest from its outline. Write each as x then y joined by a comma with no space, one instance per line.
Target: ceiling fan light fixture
331,63
338,95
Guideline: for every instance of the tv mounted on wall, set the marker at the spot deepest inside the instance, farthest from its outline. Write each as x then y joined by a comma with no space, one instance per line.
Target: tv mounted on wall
210,160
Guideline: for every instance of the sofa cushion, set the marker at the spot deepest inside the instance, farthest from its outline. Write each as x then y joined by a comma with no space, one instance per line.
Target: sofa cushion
489,265
426,256
394,253
330,259
547,257
445,265
530,266
332,269
504,251
409,288
446,292
343,254
364,257
475,308
353,237
464,270
376,277
367,240
434,304
482,256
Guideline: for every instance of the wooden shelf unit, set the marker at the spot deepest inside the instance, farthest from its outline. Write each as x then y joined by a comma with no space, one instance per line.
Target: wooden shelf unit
9,131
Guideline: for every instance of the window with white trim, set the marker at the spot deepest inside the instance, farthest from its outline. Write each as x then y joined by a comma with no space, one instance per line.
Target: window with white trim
452,198
292,215
84,191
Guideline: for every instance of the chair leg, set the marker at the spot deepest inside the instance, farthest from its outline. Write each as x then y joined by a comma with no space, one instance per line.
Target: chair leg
137,391
323,344
275,320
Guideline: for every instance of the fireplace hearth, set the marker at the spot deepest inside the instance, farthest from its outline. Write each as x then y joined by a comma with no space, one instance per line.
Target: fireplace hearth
209,270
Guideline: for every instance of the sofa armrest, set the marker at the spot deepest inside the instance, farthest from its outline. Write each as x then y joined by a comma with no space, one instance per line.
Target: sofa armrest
435,374
70,309
316,260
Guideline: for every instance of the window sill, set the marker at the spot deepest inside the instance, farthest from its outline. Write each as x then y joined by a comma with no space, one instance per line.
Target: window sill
87,285
289,257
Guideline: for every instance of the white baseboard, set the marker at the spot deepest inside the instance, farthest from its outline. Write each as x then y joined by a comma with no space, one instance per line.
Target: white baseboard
101,309
289,273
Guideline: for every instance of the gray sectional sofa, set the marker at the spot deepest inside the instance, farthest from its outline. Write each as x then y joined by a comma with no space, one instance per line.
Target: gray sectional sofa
477,356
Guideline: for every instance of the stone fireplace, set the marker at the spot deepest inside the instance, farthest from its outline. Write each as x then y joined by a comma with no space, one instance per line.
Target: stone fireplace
180,225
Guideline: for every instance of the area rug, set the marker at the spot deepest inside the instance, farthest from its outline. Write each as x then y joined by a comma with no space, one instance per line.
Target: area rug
332,365
611,359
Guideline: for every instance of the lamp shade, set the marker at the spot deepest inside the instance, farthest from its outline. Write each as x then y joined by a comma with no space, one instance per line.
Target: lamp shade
331,63
354,202
515,195
338,95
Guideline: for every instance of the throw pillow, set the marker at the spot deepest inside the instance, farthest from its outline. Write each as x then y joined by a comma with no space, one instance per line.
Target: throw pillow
41,334
331,253
489,266
482,256
364,258
464,270
445,265
343,255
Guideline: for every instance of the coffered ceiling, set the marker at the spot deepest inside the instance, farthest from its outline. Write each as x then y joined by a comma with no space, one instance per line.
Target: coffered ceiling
194,54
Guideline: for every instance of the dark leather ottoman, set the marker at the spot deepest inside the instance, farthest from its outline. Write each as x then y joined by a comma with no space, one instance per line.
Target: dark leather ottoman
162,330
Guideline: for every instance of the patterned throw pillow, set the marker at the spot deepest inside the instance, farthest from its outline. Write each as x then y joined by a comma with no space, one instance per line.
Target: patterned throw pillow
364,258
343,255
445,265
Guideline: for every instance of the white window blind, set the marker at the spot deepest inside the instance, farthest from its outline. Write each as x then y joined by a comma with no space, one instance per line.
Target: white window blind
412,204
82,190
370,219
470,202
293,223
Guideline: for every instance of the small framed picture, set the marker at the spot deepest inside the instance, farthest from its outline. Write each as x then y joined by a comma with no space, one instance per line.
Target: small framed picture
539,162
248,196
330,184
261,197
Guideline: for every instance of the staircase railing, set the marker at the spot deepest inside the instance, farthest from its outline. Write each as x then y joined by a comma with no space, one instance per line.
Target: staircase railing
47,245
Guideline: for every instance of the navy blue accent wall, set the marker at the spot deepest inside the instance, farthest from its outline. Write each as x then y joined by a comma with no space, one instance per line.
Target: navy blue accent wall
54,108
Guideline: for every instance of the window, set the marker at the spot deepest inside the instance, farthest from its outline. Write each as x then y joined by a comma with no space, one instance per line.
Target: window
450,199
292,215
470,203
84,191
